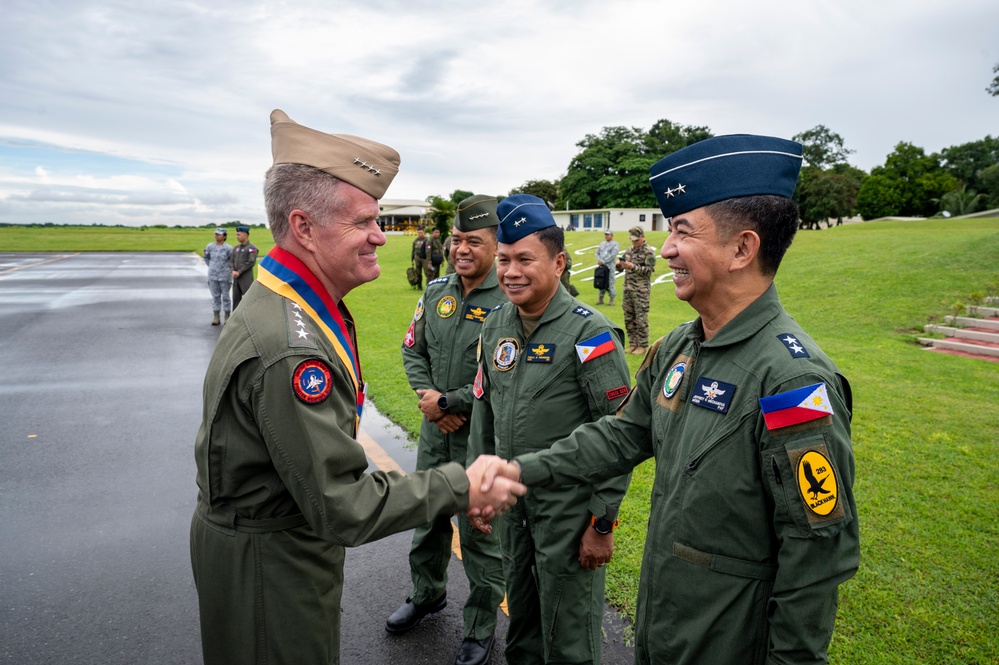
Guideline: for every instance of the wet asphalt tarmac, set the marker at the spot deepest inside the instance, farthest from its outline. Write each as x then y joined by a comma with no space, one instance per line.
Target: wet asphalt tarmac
102,358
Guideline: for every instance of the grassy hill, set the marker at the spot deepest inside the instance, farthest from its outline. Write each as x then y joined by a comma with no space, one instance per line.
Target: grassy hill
925,425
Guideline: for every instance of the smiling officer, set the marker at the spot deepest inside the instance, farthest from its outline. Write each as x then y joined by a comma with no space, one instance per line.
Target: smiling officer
548,364
753,524
439,354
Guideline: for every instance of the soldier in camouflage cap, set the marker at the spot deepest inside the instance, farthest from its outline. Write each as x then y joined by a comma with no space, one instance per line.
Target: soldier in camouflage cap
638,263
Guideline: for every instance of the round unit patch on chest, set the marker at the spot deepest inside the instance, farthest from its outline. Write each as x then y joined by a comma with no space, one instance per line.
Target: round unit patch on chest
673,379
505,354
312,381
446,306
817,483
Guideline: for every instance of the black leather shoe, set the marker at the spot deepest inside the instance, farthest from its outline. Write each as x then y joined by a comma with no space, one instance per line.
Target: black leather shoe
410,614
475,652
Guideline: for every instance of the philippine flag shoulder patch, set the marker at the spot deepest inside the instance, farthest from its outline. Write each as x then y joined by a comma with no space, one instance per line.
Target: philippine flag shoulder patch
595,347
797,406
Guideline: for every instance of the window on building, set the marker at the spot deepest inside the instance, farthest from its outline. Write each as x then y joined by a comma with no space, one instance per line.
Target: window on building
587,221
641,218
574,220
598,220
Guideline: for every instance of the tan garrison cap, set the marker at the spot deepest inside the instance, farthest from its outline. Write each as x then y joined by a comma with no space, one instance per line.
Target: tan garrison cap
367,165
476,212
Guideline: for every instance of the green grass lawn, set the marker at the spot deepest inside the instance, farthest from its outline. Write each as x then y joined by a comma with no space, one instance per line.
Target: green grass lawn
925,425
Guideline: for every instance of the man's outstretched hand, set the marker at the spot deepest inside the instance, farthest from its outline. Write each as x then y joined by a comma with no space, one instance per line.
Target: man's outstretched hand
495,472
491,489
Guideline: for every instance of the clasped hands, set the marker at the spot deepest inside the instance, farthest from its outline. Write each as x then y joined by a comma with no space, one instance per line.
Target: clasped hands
447,423
493,488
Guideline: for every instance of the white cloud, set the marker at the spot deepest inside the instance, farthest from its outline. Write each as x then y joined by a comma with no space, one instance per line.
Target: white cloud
474,96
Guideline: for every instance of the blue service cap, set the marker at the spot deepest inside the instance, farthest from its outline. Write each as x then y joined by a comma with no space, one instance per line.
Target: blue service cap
243,227
725,167
521,215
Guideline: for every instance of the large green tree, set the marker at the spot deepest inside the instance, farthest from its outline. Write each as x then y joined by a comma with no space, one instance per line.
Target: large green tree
546,190
918,178
966,161
822,148
441,212
879,196
825,195
611,169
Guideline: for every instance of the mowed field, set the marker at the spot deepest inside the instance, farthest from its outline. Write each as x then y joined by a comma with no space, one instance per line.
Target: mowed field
925,425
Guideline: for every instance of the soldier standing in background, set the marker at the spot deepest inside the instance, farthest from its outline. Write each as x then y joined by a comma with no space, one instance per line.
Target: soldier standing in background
607,252
218,256
447,256
439,354
421,251
638,263
435,256
244,257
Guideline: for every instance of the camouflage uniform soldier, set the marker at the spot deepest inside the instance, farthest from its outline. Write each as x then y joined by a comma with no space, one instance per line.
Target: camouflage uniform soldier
638,263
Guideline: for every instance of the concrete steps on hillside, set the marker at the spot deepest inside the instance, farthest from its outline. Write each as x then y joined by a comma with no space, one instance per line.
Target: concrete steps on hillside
967,335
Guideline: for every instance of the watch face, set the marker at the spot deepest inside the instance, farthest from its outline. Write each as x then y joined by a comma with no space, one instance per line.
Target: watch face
442,402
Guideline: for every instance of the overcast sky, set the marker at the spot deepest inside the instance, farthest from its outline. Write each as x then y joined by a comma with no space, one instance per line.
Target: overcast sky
142,112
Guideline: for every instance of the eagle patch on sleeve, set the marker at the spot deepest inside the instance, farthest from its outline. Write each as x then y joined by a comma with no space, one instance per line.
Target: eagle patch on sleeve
817,484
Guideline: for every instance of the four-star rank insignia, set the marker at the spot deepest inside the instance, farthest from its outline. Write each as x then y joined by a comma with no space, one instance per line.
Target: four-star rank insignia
446,306
542,353
312,381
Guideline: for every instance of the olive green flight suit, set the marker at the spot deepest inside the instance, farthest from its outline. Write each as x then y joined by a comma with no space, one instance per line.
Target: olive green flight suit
747,542
533,392
439,352
244,257
283,490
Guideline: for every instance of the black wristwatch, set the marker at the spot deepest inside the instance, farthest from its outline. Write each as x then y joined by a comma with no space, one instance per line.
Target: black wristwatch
602,525
442,402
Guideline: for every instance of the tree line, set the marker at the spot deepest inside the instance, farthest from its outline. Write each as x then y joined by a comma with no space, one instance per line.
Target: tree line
611,170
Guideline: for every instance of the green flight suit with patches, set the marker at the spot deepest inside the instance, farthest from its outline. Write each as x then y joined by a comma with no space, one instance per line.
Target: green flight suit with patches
746,547
532,392
283,490
438,352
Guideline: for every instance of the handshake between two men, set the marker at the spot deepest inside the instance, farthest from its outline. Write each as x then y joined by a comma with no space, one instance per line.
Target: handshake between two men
493,488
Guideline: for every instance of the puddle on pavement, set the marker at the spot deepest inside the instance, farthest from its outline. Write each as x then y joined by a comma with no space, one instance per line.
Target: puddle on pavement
393,439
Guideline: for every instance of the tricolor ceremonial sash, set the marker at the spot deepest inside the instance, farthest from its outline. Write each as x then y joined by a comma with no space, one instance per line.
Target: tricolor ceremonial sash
284,274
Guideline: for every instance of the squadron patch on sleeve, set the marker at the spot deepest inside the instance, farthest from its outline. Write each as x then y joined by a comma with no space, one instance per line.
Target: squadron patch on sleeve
477,389
410,339
418,314
815,478
312,381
